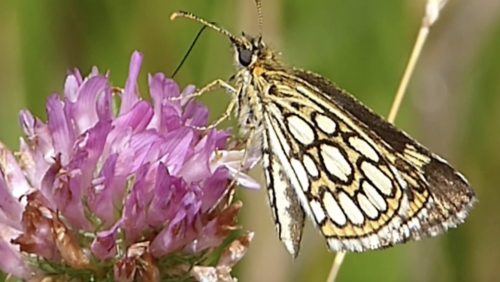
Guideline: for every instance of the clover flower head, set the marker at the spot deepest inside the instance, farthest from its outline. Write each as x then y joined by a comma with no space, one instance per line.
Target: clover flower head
115,187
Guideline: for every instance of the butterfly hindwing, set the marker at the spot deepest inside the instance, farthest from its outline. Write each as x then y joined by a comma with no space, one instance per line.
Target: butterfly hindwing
287,211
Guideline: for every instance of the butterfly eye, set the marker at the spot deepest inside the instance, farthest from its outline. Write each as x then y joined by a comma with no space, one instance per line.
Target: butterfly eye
245,57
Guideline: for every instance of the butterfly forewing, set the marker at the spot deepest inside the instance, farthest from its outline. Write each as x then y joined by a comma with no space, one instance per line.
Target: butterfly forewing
364,183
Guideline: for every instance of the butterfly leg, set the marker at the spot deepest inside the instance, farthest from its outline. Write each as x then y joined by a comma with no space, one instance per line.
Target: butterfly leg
222,118
216,84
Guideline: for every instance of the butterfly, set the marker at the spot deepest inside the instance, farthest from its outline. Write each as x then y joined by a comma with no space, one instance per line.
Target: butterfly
364,183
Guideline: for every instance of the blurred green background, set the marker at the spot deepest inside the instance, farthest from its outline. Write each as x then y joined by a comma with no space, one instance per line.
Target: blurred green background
453,104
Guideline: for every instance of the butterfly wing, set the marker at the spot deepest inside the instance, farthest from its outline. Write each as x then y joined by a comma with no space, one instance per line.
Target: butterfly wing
364,183
287,210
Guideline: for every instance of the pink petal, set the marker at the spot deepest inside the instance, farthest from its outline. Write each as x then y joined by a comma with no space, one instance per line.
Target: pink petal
131,93
13,262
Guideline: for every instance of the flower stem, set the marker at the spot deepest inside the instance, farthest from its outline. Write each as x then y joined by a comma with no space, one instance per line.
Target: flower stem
337,262
403,85
433,7
432,10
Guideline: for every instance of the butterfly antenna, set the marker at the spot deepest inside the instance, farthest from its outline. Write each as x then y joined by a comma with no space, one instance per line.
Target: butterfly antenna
182,14
258,4
188,51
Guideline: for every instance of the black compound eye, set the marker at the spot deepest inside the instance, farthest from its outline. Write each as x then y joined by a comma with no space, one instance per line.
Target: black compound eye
245,56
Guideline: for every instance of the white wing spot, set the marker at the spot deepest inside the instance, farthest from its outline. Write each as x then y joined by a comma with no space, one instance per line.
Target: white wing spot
415,157
325,123
333,209
378,178
266,162
399,178
350,208
363,148
367,206
300,171
335,162
318,211
303,90
310,166
373,195
267,175
300,130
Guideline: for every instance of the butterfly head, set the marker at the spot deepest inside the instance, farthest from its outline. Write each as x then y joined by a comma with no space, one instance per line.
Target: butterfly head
249,50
